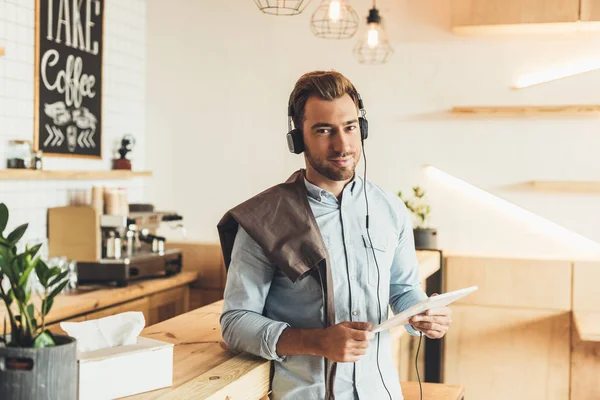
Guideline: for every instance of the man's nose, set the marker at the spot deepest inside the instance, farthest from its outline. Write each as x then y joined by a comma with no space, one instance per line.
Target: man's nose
342,142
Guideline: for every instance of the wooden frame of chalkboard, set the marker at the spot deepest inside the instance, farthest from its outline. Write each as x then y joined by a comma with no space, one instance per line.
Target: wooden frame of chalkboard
68,120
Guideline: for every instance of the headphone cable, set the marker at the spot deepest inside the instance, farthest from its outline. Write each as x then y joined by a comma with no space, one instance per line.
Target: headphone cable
376,263
417,365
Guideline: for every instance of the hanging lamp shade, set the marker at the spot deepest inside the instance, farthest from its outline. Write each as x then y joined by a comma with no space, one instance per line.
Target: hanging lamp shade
373,47
334,19
282,7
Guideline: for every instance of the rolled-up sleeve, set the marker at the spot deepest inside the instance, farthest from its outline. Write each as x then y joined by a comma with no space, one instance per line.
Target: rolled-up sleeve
405,282
249,277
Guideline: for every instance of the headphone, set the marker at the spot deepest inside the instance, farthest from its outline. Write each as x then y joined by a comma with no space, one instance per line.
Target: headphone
294,137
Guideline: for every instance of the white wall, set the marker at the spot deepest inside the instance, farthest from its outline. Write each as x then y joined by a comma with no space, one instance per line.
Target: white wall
220,73
124,86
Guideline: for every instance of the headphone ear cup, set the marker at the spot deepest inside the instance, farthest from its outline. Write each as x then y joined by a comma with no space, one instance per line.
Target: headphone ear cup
364,127
295,141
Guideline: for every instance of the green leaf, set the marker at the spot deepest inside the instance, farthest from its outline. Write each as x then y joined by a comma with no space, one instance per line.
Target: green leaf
57,290
11,272
42,340
30,311
47,306
58,278
17,234
41,270
54,271
33,250
3,218
25,277
4,260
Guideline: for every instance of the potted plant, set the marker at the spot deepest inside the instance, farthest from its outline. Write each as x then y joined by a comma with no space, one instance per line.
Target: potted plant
425,236
34,363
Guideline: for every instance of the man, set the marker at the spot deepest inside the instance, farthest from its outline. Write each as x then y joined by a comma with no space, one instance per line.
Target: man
307,278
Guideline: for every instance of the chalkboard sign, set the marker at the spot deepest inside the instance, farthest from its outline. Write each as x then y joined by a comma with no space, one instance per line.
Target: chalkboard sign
68,84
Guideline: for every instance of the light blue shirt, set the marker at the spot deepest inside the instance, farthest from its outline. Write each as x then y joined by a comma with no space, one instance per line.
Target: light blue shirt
260,301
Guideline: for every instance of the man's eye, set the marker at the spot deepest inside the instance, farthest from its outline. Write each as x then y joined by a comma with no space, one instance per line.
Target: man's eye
324,131
351,127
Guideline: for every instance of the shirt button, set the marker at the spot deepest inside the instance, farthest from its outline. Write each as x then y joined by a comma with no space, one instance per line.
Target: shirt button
352,277
355,313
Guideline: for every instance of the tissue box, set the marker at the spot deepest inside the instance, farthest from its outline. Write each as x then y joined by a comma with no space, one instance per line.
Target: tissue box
125,370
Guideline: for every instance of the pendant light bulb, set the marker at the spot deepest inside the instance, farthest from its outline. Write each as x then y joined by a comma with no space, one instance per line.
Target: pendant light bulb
373,35
334,19
372,46
335,11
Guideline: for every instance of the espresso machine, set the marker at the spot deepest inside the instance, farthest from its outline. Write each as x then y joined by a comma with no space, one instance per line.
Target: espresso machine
114,248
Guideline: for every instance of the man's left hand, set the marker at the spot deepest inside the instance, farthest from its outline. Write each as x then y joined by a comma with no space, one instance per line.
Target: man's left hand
433,323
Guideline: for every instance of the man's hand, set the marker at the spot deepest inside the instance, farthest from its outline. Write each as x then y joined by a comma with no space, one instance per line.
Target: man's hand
433,323
346,342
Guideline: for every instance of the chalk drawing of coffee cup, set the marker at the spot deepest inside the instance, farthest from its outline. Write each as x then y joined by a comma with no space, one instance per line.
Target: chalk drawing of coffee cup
72,137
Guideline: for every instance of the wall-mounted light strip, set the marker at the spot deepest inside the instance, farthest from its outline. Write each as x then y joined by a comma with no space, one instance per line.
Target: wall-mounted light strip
527,217
554,74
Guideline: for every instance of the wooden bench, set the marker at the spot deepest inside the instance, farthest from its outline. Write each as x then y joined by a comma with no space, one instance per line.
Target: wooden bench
432,391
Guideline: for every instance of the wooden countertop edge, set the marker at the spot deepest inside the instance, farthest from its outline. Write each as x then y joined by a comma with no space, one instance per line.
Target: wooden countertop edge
243,376
587,324
70,305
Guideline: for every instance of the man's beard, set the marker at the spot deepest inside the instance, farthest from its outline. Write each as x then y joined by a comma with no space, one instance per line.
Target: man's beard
331,172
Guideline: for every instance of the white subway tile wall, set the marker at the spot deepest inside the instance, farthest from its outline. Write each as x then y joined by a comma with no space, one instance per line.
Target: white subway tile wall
124,107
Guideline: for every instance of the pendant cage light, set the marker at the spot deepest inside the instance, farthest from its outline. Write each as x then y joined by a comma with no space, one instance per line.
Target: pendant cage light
282,7
373,47
334,19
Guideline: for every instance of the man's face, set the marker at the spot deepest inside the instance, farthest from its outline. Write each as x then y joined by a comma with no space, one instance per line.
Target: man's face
332,137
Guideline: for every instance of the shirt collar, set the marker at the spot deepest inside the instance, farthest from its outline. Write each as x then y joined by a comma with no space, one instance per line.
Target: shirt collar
352,188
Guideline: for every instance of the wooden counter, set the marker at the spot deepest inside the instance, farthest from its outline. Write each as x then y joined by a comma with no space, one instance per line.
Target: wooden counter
429,263
92,298
202,369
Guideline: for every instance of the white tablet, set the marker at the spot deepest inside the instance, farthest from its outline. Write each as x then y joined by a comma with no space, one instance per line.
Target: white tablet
441,300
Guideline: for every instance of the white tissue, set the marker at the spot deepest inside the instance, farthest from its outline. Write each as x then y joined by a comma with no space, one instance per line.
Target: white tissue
115,330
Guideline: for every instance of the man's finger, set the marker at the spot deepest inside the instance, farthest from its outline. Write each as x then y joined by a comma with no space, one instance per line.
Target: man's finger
361,326
361,335
439,319
359,344
430,326
438,311
359,352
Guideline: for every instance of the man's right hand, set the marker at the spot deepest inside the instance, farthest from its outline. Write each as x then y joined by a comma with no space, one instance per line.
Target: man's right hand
346,342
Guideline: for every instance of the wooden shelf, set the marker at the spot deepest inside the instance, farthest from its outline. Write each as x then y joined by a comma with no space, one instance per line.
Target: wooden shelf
566,186
525,28
592,109
588,325
27,174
